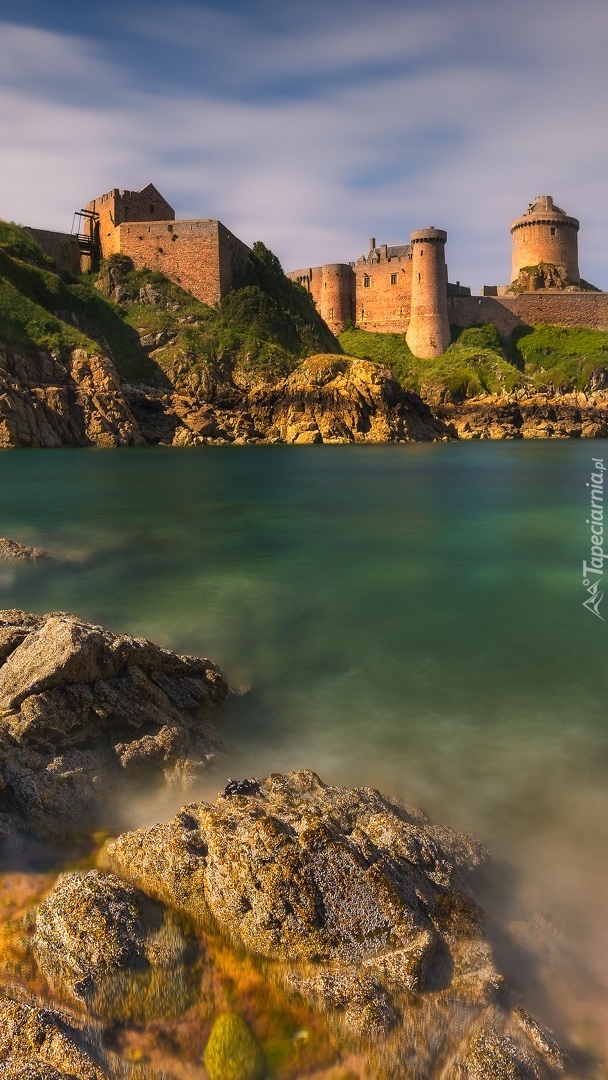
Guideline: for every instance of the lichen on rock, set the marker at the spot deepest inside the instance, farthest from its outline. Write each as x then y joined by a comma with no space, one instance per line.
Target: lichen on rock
359,905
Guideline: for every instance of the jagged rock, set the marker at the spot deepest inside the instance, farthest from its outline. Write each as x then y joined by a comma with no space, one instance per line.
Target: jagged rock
359,903
79,704
529,415
339,399
137,962
327,399
38,1044
12,551
70,399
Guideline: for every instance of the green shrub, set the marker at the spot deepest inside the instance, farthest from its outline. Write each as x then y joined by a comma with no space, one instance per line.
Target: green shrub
232,1051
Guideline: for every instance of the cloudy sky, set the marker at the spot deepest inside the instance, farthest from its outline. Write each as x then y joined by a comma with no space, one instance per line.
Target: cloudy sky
314,124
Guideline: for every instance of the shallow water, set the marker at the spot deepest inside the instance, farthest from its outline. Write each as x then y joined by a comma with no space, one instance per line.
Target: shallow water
408,616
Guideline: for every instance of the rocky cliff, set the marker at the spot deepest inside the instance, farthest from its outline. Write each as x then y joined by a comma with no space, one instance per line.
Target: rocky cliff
63,398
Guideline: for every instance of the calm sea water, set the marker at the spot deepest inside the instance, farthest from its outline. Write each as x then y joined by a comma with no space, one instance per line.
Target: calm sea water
408,617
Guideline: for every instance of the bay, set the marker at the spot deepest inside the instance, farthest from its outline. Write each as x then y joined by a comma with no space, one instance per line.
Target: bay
408,617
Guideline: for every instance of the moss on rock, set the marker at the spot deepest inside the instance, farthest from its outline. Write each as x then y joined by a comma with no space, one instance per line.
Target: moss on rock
232,1051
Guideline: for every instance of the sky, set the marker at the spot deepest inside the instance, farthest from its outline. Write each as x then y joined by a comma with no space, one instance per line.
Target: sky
314,124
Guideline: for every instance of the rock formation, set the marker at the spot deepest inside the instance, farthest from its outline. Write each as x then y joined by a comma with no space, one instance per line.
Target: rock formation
12,551
79,705
39,1044
327,399
63,399
362,907
137,961
528,415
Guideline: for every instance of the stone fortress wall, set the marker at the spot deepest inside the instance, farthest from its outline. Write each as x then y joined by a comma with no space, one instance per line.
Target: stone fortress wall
62,247
392,289
402,288
201,255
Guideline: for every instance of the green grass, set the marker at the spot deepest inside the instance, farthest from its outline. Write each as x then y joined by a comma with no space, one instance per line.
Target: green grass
16,242
259,332
479,361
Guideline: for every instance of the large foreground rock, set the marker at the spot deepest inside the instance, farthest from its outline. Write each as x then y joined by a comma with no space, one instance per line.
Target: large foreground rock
79,705
362,907
326,399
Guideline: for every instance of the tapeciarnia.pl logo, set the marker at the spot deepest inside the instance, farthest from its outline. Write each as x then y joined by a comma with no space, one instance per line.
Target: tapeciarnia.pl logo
593,571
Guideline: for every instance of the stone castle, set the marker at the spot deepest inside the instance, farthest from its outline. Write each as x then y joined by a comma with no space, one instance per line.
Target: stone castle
399,289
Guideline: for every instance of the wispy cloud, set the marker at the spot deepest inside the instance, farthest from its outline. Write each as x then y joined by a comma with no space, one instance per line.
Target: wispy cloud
312,132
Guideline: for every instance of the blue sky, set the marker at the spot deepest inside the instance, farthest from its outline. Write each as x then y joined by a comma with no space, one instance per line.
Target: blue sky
314,125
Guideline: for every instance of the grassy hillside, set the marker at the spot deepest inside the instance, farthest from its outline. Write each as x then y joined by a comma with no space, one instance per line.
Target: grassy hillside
479,361
259,331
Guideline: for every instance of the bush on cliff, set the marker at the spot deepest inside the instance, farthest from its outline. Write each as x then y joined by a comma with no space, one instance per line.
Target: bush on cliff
259,331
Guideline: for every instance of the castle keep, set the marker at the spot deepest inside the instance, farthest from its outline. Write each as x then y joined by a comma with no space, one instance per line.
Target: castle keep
201,255
401,289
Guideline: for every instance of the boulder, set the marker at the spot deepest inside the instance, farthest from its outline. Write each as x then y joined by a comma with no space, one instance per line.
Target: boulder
341,399
102,942
354,901
79,704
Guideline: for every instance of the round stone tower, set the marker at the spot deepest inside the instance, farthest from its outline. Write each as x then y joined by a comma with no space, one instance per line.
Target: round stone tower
428,333
337,302
546,234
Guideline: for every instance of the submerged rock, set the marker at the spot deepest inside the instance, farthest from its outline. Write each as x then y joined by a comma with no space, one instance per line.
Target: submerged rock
38,1044
232,1051
363,907
79,705
100,941
12,551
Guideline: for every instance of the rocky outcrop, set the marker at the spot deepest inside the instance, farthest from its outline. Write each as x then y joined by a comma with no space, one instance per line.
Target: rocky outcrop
337,399
137,962
12,551
38,1044
79,705
529,415
327,399
362,907
63,399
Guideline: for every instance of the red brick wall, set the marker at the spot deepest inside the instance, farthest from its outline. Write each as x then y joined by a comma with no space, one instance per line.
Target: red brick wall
186,251
381,305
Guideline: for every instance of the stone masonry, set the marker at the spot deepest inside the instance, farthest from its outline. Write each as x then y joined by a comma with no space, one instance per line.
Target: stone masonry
202,256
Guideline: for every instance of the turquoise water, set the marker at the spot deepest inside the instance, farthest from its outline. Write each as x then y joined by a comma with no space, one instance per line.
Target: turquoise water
408,617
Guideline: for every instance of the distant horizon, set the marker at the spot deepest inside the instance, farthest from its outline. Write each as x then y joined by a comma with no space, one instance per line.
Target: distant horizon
314,128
